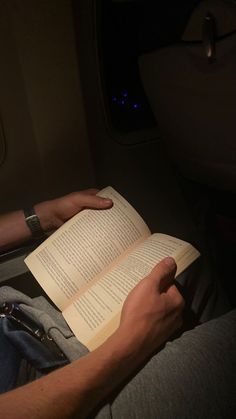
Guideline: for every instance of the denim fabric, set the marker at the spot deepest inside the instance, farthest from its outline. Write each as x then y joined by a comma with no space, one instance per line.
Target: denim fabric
22,357
50,319
10,360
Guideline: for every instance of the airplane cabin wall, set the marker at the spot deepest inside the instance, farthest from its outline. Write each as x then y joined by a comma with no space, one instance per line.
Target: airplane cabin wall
44,147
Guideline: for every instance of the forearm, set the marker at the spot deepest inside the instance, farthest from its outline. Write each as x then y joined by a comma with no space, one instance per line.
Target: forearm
150,315
52,214
14,230
77,388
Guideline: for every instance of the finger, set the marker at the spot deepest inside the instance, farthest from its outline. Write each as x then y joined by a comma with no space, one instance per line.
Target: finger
94,201
176,297
163,274
174,301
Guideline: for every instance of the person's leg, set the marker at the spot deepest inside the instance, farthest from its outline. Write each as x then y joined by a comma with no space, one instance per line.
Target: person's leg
10,361
202,290
192,377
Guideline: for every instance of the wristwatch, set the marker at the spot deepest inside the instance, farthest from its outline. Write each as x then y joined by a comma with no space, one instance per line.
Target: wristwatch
32,221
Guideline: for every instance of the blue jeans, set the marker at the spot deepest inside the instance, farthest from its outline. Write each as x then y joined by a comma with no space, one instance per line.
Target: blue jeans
22,357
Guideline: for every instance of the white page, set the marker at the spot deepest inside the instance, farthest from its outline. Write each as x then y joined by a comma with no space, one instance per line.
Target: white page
84,246
93,310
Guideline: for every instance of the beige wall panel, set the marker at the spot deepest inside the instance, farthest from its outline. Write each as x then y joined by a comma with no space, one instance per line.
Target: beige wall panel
17,166
48,92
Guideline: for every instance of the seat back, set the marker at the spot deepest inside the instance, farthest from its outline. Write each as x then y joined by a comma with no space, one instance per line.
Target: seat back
191,86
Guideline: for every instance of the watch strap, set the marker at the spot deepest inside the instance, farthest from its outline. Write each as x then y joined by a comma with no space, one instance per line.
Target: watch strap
33,222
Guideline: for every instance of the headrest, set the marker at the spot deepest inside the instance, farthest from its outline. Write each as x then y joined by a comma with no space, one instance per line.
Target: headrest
223,12
194,101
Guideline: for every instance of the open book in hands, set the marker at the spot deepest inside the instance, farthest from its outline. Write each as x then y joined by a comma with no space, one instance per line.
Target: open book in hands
91,263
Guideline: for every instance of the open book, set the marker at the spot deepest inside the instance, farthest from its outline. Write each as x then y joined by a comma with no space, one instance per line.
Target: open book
91,263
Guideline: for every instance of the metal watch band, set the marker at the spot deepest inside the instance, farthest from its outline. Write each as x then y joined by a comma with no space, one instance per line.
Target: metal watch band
32,221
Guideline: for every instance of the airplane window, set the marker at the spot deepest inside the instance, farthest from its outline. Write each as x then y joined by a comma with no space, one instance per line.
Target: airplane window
127,103
129,29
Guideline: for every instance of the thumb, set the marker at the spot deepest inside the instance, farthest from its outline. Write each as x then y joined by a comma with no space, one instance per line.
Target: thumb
164,273
86,200
95,201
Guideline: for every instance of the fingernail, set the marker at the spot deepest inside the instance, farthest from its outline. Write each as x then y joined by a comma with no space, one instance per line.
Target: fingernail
107,201
170,262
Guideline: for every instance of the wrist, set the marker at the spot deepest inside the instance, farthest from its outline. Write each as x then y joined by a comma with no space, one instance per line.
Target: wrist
44,211
135,344
125,347
111,362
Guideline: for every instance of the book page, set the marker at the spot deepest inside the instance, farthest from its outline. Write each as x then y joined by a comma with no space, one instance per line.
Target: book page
84,246
95,313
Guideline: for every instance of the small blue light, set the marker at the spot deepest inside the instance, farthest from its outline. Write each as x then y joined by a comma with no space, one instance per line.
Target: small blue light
114,98
136,105
122,102
125,93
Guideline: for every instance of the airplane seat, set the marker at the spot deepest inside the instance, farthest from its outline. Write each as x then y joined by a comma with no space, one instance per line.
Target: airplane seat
192,91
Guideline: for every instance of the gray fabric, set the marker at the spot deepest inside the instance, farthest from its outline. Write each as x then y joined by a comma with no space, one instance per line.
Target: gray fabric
54,324
50,318
192,377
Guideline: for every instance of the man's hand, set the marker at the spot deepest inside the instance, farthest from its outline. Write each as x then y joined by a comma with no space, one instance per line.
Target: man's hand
54,213
152,311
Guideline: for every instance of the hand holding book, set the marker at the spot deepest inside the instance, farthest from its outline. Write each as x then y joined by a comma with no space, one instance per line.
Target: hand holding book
91,263
152,312
55,212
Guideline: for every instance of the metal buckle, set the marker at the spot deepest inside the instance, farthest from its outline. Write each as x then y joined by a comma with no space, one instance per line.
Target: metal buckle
23,321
